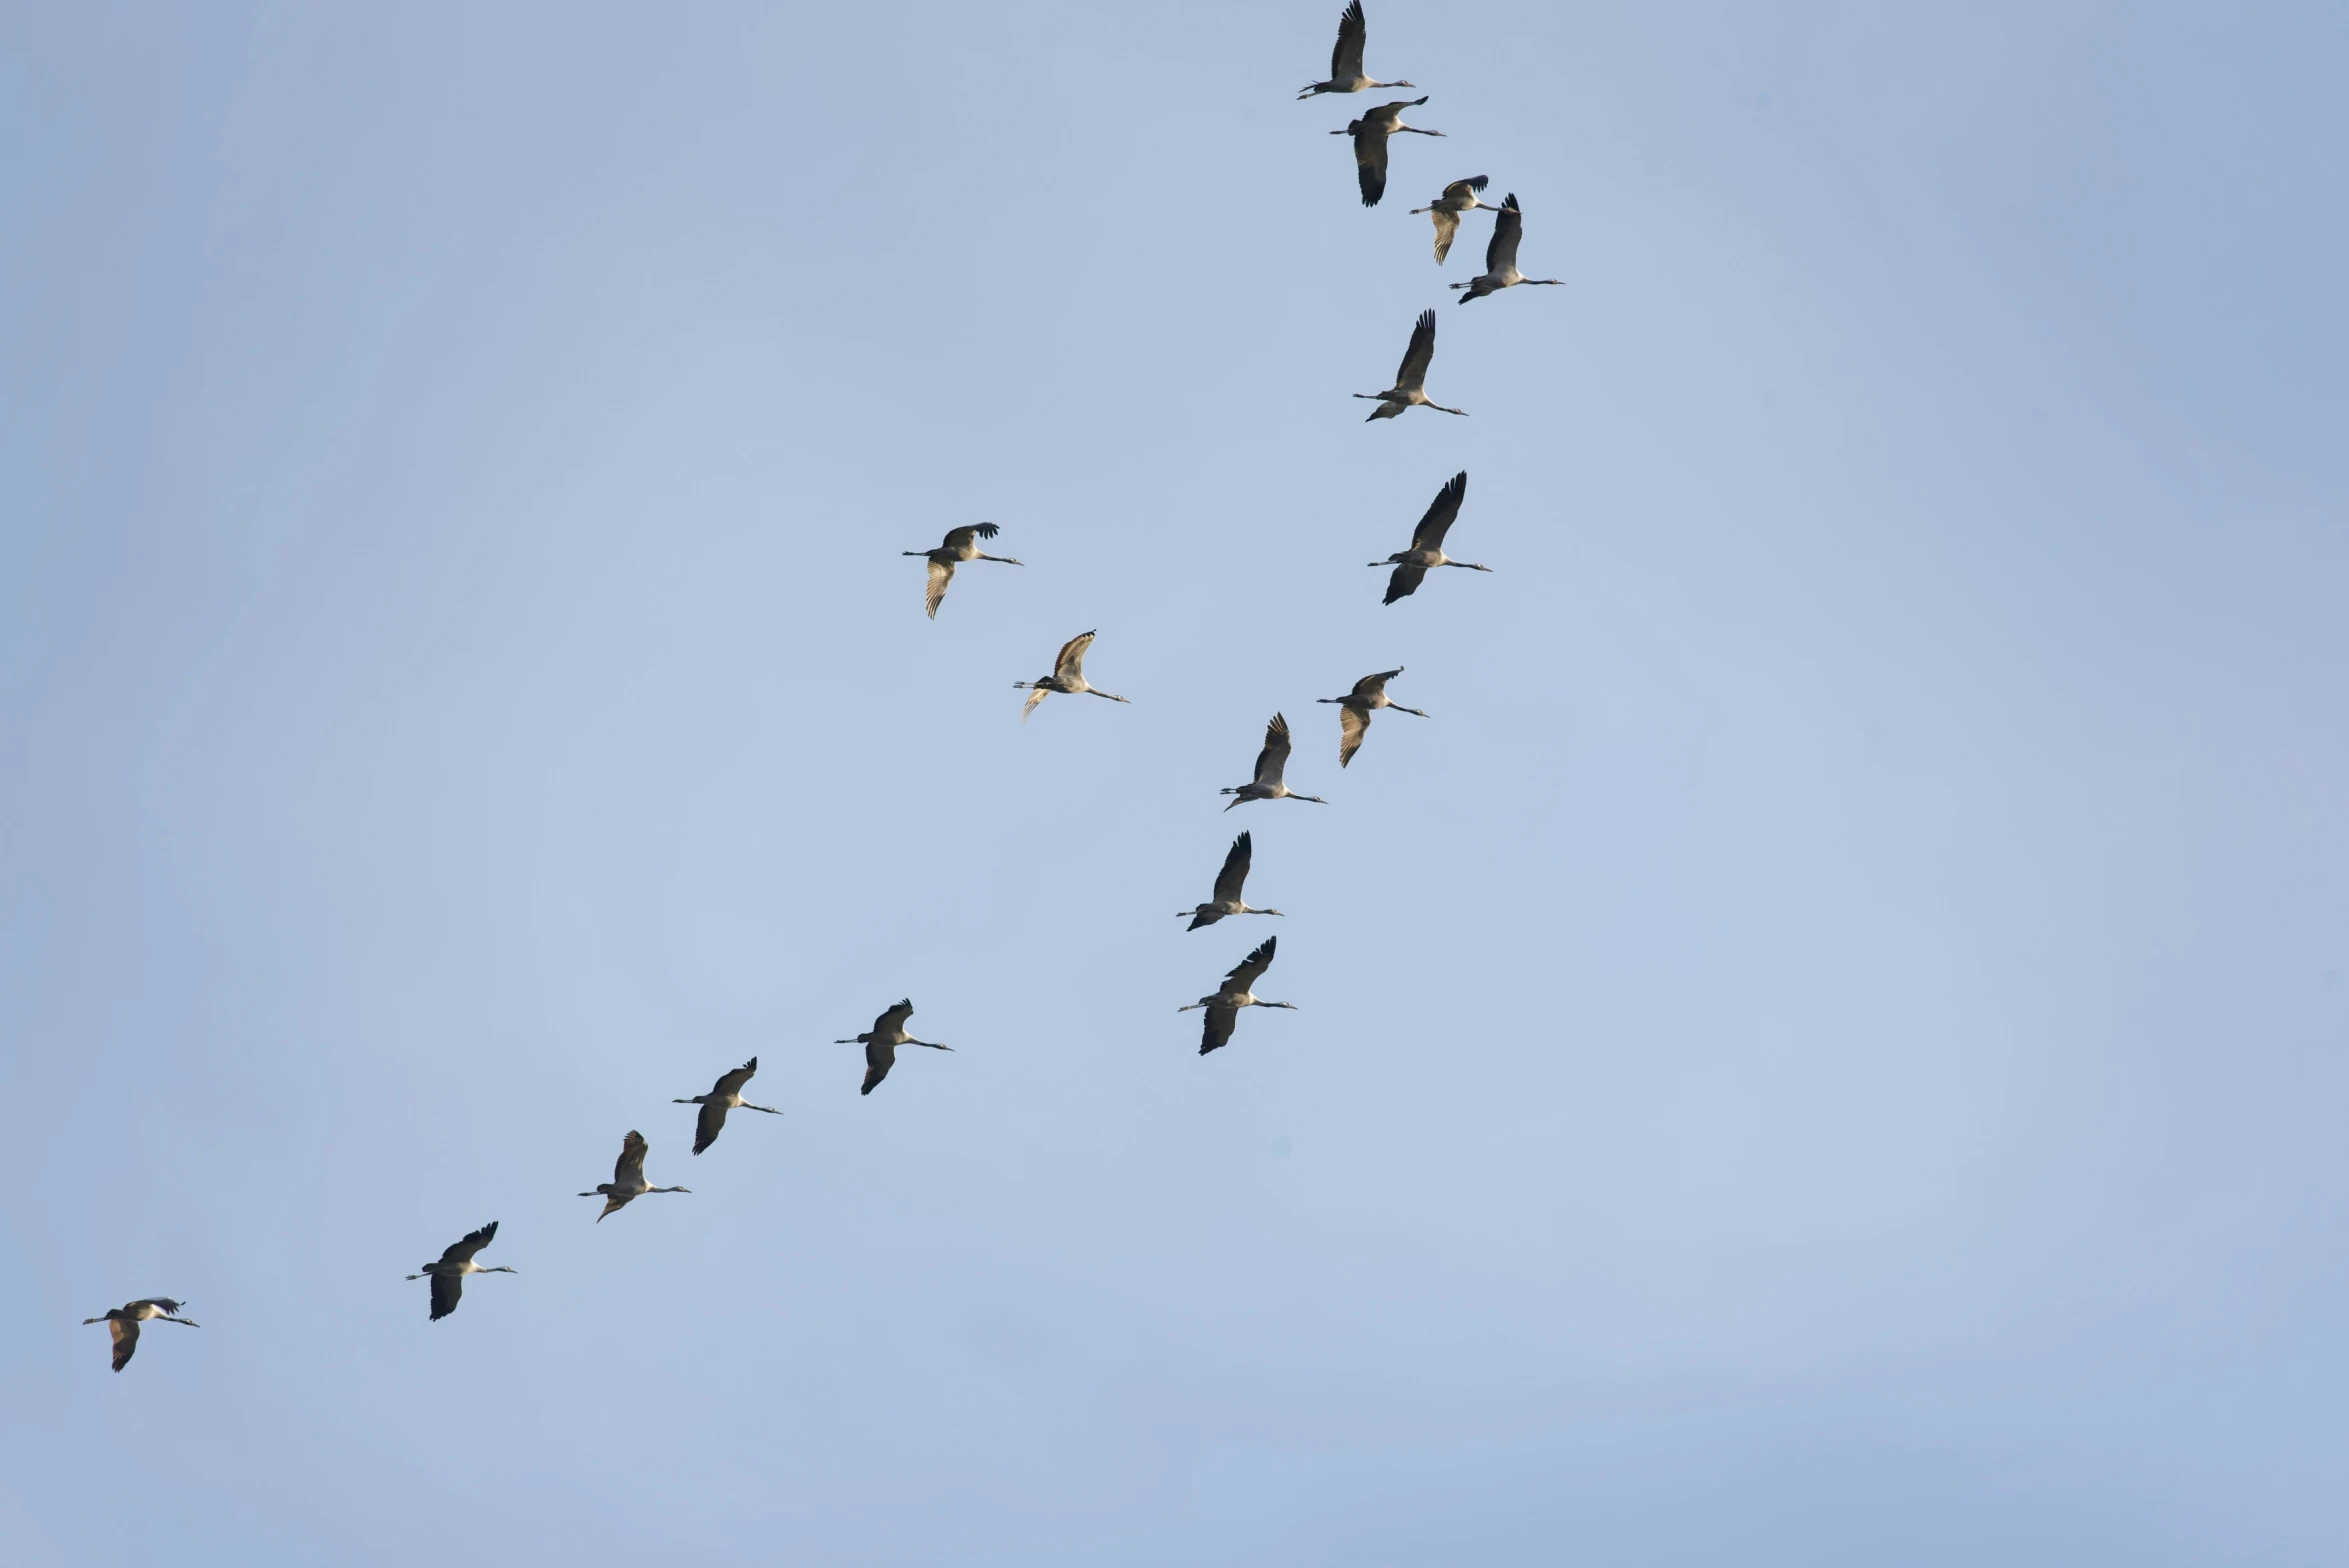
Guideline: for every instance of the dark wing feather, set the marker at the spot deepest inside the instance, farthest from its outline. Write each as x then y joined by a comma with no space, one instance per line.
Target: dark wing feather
632,1152
165,1302
1370,161
1413,371
894,1019
1273,760
1441,513
1459,190
1234,875
730,1084
710,1123
1371,685
1071,659
1500,253
1351,723
1404,583
1218,1032
463,1251
879,1058
126,1341
447,1290
1345,60
959,539
1249,970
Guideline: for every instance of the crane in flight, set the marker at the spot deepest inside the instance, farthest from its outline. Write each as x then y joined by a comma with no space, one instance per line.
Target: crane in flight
1458,200
1228,883
1500,256
627,1183
1370,132
962,544
1427,543
1236,992
725,1095
1271,763
1410,386
883,1039
1345,61
123,1324
1068,675
1355,708
448,1274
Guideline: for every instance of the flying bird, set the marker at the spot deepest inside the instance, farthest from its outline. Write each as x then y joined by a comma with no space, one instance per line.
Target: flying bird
1355,708
448,1275
1500,256
1370,133
725,1095
886,1035
1223,1008
627,1183
1228,883
1270,763
123,1323
1411,375
1458,199
962,544
1345,61
1068,675
1427,543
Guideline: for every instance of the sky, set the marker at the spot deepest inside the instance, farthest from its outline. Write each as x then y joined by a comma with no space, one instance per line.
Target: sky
1824,1050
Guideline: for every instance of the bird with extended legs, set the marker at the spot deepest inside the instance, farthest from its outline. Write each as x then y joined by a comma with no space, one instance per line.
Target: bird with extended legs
627,1183
725,1095
1345,60
1272,763
1236,992
1228,884
1410,388
1500,256
962,544
1427,543
881,1043
1068,675
448,1272
1355,708
123,1323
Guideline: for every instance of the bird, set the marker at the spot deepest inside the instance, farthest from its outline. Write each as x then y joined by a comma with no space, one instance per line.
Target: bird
1270,762
1409,376
1228,882
448,1275
962,544
1458,199
123,1323
1370,133
1355,708
725,1095
887,1034
1500,256
1345,61
1068,675
1223,1008
627,1183
1427,543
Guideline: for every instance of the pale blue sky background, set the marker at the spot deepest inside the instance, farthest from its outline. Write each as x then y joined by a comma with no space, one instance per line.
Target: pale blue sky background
1827,1050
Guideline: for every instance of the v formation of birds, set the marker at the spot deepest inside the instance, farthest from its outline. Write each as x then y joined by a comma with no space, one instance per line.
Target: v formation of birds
1371,132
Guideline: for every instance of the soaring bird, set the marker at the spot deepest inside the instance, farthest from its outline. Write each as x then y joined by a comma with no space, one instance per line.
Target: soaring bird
1068,675
962,544
1345,61
1500,256
1458,199
1355,708
882,1041
1271,762
1370,133
627,1183
1223,1008
1411,375
1228,883
1427,543
725,1095
448,1275
123,1322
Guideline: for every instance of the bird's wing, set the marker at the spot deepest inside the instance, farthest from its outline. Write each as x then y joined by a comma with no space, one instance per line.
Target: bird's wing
880,1056
1029,706
1437,520
1218,1032
163,1304
1071,661
446,1289
1447,224
126,1340
1273,760
1461,190
730,1084
1501,253
1249,970
941,573
1413,370
1234,875
631,1162
1371,685
1351,723
710,1123
1345,60
462,1251
894,1020
1370,161
959,539
1404,583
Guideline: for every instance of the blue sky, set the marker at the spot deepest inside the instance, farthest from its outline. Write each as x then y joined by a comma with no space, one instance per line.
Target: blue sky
1825,1050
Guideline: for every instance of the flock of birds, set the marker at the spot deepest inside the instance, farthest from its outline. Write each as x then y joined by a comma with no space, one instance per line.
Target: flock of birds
1371,132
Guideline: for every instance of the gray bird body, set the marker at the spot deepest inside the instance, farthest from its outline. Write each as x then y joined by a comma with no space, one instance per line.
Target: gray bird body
1228,884
1500,256
1237,991
725,1095
1355,708
1410,388
627,1183
122,1323
447,1272
1345,59
881,1043
1427,543
1272,765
